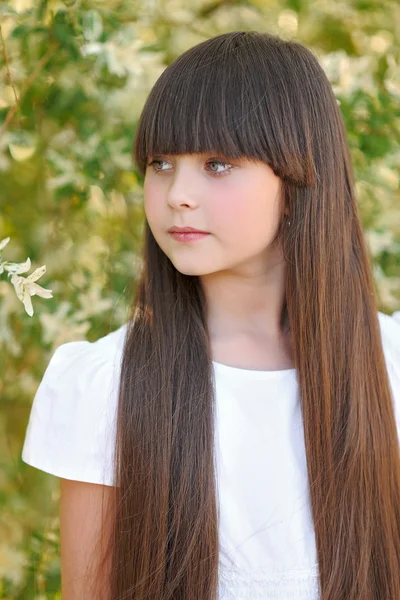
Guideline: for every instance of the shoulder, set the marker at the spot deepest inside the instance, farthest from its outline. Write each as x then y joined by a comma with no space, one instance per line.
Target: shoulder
81,375
91,362
390,333
72,420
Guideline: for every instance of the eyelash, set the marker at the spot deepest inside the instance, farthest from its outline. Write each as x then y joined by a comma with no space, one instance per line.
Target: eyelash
220,162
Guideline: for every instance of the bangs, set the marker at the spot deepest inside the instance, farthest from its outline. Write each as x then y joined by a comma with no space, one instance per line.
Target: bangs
228,96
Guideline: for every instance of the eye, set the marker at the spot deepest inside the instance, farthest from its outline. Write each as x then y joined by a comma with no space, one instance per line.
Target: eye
210,162
155,161
220,162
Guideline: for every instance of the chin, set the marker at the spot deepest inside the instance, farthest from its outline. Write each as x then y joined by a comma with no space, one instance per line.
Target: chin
188,271
194,270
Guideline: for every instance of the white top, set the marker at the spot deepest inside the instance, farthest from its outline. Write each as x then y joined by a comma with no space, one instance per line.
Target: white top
267,544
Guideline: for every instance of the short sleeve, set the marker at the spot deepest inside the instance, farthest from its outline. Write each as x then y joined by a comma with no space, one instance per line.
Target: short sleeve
71,428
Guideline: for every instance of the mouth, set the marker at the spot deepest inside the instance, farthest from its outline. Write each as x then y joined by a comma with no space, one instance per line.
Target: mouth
188,236
185,230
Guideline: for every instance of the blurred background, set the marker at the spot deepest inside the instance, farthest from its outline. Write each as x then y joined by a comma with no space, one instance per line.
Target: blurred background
73,78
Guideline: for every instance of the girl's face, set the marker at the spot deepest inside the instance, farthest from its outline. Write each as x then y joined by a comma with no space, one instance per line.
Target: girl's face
235,201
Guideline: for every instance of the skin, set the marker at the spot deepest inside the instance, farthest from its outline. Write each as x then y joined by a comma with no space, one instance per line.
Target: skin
243,276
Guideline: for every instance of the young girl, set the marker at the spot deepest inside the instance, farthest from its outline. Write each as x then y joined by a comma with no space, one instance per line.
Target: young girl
242,428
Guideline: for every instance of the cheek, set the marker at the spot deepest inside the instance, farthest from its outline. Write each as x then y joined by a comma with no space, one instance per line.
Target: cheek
252,209
151,201
228,208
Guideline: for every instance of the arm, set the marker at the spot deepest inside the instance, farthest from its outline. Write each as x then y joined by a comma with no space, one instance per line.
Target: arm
82,510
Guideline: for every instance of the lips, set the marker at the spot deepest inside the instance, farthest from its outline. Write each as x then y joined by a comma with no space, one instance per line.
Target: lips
185,230
188,236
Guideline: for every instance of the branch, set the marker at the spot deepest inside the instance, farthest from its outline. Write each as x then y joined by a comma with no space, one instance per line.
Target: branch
40,65
7,63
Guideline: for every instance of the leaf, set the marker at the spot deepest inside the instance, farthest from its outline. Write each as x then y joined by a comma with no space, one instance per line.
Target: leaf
21,153
6,10
64,33
92,25
3,243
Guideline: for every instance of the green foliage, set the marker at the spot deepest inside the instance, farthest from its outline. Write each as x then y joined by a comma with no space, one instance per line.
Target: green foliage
74,76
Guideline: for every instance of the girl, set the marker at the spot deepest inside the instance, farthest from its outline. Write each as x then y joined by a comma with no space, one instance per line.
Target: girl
243,425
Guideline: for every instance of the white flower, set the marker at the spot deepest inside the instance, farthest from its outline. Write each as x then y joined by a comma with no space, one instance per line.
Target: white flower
25,287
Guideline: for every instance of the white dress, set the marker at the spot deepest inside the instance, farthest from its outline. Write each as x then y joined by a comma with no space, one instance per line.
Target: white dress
267,543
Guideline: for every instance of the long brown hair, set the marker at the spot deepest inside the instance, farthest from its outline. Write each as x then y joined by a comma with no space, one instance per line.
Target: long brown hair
252,94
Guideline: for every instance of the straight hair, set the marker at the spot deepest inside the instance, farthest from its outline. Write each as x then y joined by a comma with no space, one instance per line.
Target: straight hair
254,95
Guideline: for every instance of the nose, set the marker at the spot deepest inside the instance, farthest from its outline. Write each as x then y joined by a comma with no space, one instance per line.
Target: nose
182,192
